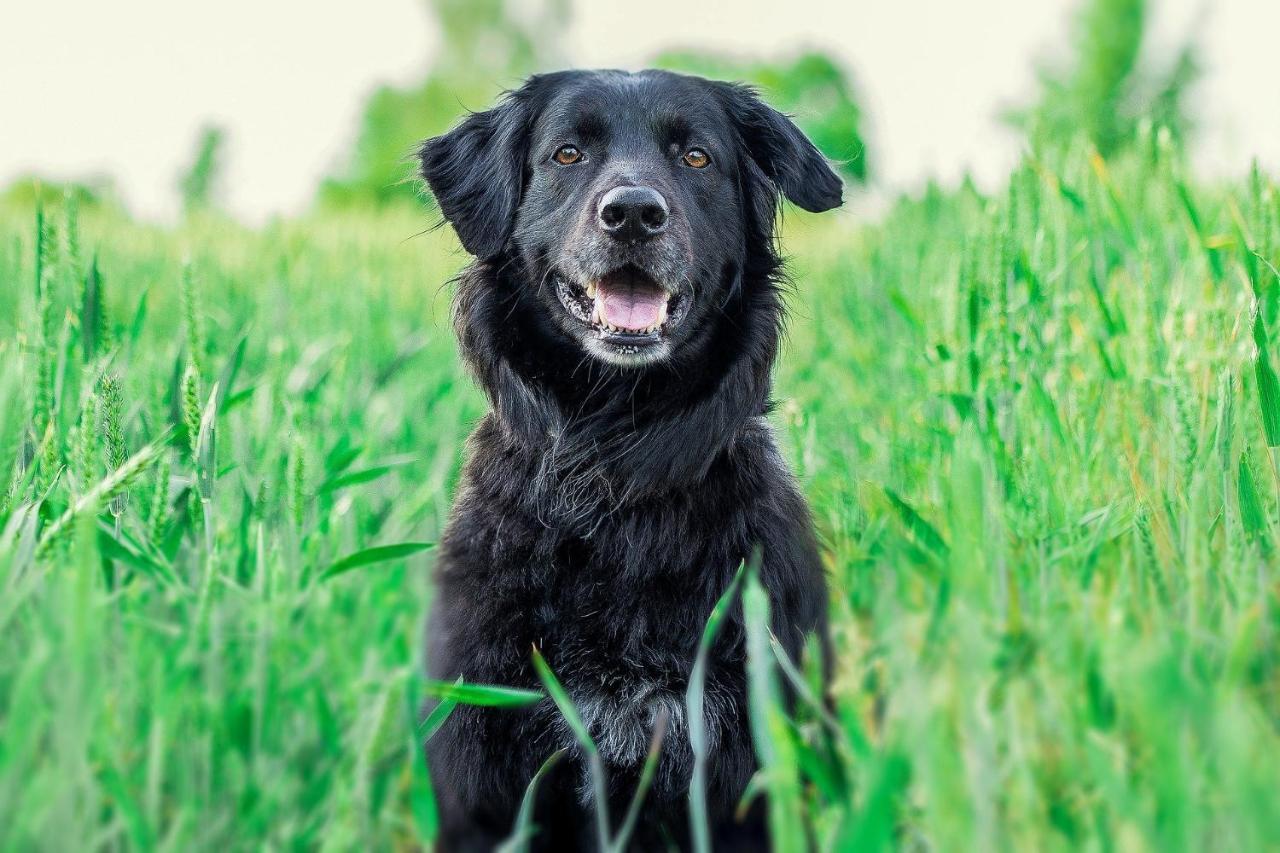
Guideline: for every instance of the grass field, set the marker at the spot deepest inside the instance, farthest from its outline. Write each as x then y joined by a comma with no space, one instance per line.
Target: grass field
1037,430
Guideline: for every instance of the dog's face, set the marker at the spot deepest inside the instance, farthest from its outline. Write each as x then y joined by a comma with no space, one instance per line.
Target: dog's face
631,202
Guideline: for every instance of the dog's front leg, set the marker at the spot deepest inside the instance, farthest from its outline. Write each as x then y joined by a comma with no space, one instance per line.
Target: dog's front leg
473,815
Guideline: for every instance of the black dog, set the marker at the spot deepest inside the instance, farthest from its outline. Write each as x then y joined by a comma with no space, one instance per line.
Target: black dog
622,315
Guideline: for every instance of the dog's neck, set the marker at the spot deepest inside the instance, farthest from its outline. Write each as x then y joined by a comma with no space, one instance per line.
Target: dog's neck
637,432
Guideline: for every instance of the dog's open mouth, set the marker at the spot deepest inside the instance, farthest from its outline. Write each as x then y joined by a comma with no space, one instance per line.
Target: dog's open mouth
625,308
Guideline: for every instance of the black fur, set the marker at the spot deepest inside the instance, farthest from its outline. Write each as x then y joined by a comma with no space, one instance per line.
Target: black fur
605,506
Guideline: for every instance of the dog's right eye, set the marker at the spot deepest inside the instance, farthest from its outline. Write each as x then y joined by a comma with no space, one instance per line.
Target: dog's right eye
567,155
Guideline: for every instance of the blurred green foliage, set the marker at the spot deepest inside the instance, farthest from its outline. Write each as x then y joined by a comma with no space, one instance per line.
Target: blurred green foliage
811,87
483,46
1106,91
199,183
30,191
488,44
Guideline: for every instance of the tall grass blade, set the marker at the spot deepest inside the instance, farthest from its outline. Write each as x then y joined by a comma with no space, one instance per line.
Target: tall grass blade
1268,383
623,837
524,829
371,556
1252,516
595,766
695,705
774,748
481,695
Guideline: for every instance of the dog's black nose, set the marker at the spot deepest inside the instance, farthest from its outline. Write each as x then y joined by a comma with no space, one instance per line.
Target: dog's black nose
632,213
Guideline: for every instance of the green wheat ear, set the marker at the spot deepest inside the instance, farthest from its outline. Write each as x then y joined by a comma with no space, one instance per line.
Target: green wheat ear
42,338
158,514
84,445
191,407
111,427
297,474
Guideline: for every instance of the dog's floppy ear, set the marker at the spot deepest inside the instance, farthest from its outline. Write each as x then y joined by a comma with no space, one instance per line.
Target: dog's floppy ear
476,172
782,151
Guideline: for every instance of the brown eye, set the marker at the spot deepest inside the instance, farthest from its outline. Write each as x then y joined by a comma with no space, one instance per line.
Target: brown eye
697,158
567,155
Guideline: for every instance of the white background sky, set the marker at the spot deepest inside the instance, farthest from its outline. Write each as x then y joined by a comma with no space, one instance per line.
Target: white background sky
121,88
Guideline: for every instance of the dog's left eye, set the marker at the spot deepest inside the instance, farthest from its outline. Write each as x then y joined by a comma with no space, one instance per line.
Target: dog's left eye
567,155
697,158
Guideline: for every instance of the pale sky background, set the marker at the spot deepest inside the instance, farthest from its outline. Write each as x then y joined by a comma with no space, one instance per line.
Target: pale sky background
121,88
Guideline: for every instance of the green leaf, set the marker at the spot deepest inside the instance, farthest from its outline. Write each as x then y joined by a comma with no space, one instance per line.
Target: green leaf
775,750
571,716
364,475
565,704
1197,226
125,550
924,531
481,695
369,556
436,718
524,829
1252,517
819,767
139,320
877,824
114,784
801,687
227,379
207,445
647,772
695,702
422,799
1268,384
341,455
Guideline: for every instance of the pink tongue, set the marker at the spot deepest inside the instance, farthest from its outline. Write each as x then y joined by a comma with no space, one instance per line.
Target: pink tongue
631,308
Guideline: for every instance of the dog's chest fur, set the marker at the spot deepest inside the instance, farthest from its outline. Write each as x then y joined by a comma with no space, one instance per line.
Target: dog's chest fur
614,594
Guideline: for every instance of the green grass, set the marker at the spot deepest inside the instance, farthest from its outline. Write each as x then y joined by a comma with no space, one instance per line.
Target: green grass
1034,429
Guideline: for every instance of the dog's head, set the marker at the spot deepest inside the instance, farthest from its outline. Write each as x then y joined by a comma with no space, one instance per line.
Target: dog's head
634,203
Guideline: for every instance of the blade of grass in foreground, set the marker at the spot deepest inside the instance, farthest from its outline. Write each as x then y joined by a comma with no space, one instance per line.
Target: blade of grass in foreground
695,703
1268,383
518,841
579,729
422,797
642,787
801,687
450,695
774,748
482,695
429,726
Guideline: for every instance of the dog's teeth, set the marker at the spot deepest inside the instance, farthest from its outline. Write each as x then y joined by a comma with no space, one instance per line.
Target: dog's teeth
596,316
662,314
591,289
